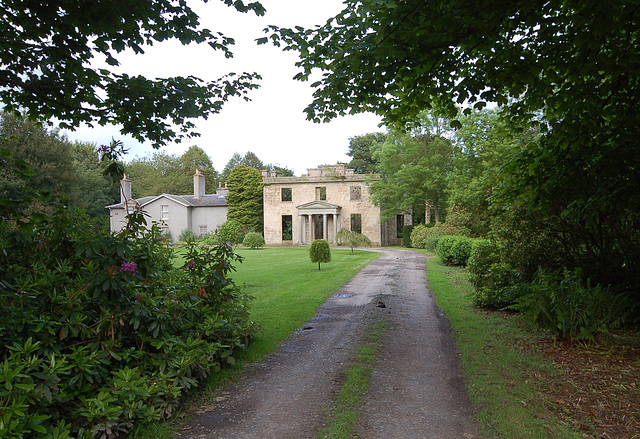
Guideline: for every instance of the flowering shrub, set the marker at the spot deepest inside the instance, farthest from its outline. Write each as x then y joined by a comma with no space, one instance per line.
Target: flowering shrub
100,331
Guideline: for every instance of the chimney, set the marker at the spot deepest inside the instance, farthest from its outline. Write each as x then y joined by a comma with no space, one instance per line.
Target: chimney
198,184
222,190
125,189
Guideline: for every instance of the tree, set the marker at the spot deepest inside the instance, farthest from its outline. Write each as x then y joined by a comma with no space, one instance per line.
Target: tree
353,239
245,198
48,52
319,251
171,174
484,146
413,167
94,190
568,68
360,151
250,160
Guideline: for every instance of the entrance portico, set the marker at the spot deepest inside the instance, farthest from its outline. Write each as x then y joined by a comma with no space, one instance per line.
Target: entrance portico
319,220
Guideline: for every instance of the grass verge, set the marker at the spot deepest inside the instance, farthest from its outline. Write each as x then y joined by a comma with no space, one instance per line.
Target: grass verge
344,414
286,289
503,365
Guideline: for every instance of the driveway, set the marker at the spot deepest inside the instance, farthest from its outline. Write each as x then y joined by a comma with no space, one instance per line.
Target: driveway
416,390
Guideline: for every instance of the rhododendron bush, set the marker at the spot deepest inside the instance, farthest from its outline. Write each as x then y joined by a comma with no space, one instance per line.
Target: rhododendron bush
100,331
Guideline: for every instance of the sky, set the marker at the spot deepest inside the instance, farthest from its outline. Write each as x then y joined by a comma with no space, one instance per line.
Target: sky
272,125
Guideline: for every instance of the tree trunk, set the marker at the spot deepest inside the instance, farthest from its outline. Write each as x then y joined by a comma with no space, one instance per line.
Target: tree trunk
427,212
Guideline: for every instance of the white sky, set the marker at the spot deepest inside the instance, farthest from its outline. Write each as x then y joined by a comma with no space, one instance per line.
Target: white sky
272,125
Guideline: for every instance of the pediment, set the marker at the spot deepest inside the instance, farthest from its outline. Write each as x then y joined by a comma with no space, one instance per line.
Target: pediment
318,205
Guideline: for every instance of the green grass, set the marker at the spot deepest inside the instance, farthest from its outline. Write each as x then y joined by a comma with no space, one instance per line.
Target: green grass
288,289
344,415
500,361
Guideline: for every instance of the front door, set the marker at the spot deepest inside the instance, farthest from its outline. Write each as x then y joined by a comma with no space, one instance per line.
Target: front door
318,227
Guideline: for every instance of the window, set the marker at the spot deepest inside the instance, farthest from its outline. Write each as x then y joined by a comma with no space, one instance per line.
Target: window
399,225
287,227
165,212
203,230
355,192
286,194
321,193
356,222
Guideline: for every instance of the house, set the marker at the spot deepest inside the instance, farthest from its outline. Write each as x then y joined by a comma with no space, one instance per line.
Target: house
202,213
318,204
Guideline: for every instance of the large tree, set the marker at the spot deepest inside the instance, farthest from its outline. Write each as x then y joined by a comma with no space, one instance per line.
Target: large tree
245,198
360,147
67,172
171,174
50,55
569,67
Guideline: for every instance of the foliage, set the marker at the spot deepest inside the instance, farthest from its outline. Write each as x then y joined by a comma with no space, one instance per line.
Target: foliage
484,145
406,236
496,280
162,173
245,198
413,168
249,160
426,236
68,172
49,53
100,331
319,251
229,233
188,235
253,240
353,239
456,250
361,152
571,308
579,175
505,367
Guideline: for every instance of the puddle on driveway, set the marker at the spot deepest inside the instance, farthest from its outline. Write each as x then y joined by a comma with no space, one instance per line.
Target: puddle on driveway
341,296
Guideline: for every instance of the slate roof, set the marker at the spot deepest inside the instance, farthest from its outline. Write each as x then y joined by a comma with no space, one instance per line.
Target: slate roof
185,200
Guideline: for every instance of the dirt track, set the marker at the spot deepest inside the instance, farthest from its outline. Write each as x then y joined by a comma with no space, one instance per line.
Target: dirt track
415,392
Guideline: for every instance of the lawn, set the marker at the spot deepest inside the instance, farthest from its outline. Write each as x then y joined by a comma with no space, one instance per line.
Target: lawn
288,288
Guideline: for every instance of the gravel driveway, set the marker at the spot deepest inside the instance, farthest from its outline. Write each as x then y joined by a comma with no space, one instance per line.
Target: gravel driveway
416,390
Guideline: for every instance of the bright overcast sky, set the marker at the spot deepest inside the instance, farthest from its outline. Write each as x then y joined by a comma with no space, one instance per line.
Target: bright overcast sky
272,125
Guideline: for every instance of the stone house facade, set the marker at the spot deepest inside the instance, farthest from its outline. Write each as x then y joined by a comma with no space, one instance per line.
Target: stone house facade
318,204
201,213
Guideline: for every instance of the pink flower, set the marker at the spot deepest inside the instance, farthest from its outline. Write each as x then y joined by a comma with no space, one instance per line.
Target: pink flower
129,266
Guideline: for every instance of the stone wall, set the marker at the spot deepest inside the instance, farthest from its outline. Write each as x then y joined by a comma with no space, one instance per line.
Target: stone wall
339,185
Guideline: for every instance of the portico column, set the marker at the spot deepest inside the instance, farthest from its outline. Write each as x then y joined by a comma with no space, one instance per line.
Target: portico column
302,229
335,228
324,227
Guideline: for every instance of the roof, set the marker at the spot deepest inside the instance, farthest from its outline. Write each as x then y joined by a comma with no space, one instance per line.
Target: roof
210,200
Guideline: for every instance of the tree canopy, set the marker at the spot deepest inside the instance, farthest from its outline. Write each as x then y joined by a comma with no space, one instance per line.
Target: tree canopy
50,53
162,173
362,160
70,173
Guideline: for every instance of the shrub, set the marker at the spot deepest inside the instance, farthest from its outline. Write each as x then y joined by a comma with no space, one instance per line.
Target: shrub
406,236
229,233
319,251
497,284
188,235
100,331
353,239
426,236
571,308
253,240
455,250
